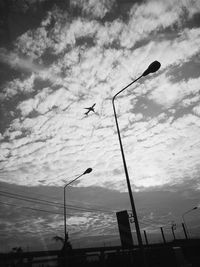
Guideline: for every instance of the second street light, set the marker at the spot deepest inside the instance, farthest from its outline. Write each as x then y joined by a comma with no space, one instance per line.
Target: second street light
65,224
153,67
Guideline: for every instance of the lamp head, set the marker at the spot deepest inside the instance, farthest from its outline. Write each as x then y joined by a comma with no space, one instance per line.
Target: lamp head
153,67
87,171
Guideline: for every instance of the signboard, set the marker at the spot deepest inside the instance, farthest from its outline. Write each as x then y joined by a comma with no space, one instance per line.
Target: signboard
124,229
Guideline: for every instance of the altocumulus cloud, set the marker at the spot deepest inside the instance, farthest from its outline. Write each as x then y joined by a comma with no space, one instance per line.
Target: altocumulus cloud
85,59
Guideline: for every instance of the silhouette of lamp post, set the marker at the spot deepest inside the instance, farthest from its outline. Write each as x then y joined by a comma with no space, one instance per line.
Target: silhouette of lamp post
153,67
183,215
65,224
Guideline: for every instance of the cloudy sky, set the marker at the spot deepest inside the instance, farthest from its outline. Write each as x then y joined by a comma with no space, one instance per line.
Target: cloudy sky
56,59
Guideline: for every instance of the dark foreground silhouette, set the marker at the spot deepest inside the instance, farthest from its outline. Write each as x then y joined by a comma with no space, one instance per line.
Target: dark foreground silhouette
179,253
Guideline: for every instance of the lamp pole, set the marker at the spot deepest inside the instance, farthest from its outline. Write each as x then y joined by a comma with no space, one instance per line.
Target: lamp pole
184,219
65,224
153,67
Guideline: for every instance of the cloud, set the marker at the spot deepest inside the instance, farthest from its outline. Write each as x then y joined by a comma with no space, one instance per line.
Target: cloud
196,110
15,61
17,86
153,16
93,8
168,93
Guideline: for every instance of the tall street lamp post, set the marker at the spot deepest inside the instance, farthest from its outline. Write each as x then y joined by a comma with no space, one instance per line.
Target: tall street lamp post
65,224
153,67
183,215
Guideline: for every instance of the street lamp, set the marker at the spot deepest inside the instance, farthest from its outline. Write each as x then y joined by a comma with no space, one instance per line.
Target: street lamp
153,67
65,225
184,218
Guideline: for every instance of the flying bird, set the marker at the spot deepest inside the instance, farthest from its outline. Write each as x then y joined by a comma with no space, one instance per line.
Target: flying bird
90,109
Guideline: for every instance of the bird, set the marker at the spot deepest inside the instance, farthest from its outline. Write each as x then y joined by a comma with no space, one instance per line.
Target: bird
90,109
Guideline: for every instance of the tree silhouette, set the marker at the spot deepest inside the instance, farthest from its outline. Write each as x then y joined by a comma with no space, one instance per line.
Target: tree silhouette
58,238
17,249
66,243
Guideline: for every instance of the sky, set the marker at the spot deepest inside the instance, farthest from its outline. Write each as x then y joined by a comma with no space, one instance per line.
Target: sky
58,58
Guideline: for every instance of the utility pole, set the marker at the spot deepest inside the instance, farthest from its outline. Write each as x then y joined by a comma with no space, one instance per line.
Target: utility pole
145,236
163,236
173,228
184,230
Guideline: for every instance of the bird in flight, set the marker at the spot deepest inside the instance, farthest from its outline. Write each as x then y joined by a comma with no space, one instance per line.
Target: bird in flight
90,109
